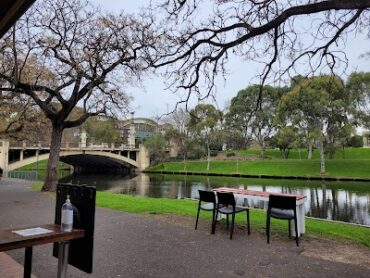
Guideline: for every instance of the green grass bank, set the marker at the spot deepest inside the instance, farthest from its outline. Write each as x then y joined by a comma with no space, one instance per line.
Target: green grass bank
346,153
162,206
335,168
314,228
41,167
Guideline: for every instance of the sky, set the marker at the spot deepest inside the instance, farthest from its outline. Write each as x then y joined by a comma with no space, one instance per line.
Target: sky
152,100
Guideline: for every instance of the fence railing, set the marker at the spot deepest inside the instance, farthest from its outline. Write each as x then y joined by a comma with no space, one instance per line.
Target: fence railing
23,175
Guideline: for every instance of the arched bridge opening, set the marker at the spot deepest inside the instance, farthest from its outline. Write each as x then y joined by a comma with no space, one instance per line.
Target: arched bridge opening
92,163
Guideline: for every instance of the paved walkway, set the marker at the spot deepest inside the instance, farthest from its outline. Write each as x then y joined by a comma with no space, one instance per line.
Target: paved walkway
129,245
9,268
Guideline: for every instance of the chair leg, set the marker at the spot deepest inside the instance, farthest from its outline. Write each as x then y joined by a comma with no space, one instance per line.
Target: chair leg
290,233
227,221
248,224
232,225
296,229
213,226
215,222
196,222
268,228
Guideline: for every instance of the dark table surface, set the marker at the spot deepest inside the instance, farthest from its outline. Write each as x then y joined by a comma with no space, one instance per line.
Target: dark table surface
10,240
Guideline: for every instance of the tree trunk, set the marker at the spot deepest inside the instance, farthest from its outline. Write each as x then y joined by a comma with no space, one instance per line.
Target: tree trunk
263,152
208,156
263,149
322,157
52,171
309,156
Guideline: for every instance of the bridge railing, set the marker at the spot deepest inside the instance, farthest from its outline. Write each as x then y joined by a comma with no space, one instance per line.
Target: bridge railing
24,144
72,145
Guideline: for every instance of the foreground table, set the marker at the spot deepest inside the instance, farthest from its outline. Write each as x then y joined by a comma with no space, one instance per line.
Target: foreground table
264,196
10,240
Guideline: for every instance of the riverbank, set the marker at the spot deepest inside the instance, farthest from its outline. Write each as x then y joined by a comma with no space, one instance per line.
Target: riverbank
336,170
125,243
314,228
186,208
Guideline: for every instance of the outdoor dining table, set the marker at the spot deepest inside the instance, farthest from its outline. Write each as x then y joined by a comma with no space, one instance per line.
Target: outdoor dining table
264,196
16,238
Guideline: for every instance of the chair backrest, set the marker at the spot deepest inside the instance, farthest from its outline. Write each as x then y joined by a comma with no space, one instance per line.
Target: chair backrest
226,199
207,196
282,202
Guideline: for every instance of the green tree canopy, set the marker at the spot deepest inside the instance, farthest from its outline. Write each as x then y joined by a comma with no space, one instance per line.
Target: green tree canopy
204,118
254,122
317,106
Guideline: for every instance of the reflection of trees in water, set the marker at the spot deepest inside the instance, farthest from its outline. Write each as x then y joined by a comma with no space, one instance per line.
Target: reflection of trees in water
324,202
342,211
317,207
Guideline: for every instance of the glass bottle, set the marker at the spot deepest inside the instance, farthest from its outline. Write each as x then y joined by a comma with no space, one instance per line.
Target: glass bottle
67,216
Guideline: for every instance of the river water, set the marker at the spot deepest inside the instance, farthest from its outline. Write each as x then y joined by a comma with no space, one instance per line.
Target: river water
343,201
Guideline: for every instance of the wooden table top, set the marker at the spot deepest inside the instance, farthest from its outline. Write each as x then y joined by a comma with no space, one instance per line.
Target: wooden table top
254,192
10,240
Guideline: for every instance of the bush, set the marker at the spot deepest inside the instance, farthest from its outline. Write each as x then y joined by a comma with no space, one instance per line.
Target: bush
196,153
230,154
214,153
355,142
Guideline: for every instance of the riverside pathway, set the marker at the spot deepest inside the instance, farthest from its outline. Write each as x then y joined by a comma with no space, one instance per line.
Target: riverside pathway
130,245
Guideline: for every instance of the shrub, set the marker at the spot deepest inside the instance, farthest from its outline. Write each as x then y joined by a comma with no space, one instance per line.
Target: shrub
230,154
355,141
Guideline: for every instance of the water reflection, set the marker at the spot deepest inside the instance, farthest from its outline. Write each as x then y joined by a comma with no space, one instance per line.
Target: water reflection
347,202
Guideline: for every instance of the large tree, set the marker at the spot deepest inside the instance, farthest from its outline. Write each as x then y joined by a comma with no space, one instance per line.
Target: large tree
90,56
242,115
318,106
204,119
358,84
284,36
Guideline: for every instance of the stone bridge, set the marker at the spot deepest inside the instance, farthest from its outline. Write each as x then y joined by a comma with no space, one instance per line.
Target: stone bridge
101,156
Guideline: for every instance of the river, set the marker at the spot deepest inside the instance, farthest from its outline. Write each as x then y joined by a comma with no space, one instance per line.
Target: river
343,201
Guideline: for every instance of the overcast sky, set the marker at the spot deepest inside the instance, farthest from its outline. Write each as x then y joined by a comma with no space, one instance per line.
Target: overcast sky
153,100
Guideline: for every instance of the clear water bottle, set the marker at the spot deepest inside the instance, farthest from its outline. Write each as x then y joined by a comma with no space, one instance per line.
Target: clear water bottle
67,216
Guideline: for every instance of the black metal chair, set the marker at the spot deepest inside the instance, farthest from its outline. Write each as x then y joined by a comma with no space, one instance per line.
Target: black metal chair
282,207
209,198
226,205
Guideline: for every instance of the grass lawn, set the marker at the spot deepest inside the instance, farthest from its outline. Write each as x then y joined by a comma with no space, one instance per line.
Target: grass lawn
359,168
314,228
347,153
143,205
63,169
43,165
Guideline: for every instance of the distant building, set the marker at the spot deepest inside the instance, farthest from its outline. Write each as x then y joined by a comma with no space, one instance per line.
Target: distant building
135,131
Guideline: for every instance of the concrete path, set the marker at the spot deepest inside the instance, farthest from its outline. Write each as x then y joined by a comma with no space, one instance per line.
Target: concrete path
129,245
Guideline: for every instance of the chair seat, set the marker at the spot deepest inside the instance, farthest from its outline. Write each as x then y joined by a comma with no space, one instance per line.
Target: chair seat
207,206
282,213
229,209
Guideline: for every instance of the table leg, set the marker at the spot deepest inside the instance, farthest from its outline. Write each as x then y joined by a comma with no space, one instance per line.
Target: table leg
63,259
302,216
27,263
